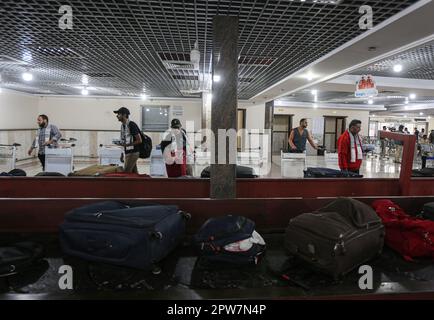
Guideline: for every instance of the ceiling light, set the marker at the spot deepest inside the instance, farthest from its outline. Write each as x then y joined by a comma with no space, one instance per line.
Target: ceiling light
412,96
309,76
314,92
406,107
84,79
84,92
216,78
397,67
315,106
374,115
429,117
147,110
27,76
370,101
143,96
421,113
405,116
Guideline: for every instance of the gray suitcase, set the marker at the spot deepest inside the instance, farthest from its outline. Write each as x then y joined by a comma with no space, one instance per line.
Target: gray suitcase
338,238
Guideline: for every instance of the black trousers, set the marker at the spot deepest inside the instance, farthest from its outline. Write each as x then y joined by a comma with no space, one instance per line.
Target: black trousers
42,159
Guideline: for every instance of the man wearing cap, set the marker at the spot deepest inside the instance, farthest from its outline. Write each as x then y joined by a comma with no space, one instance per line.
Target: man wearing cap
130,139
174,148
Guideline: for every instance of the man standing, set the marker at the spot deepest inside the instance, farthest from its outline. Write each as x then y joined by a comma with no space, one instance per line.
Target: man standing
130,139
298,138
431,137
350,148
46,135
176,150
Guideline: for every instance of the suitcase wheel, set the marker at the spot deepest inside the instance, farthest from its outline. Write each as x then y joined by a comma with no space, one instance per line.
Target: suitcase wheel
157,235
185,215
156,270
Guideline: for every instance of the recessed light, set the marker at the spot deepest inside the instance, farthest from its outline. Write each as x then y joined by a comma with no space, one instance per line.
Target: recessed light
84,92
412,96
27,76
370,101
397,67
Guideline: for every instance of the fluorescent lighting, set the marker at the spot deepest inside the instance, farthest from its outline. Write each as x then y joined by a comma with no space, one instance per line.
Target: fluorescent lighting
27,76
397,68
84,79
315,106
412,96
314,92
370,101
216,78
143,96
374,115
84,92
421,113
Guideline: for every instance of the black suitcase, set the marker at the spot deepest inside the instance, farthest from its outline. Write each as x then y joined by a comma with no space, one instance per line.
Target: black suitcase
242,172
428,211
338,238
329,173
115,233
425,172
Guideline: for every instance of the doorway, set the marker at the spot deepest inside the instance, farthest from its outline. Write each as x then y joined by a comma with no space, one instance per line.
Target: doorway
333,128
282,127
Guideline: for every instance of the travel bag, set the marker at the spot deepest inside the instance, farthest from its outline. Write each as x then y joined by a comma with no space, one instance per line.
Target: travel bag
119,234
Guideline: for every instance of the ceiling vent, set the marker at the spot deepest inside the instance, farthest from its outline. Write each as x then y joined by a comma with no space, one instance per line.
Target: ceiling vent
54,52
6,60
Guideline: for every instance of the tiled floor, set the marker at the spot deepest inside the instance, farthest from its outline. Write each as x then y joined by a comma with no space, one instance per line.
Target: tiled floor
371,168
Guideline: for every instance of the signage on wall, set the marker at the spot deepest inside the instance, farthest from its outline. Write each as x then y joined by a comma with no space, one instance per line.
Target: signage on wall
177,112
366,87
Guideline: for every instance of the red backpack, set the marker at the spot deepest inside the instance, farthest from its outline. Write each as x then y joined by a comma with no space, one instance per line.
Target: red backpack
410,236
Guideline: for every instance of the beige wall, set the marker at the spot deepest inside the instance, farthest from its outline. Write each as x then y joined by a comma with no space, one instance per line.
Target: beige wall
300,113
97,113
255,116
431,125
17,110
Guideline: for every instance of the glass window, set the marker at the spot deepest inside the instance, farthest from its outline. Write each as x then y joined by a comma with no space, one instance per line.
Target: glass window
155,118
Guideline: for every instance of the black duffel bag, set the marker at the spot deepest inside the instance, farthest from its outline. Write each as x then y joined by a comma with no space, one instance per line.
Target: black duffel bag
242,172
231,240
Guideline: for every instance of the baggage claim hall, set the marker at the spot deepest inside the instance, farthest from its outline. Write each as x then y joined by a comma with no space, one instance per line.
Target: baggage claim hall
217,149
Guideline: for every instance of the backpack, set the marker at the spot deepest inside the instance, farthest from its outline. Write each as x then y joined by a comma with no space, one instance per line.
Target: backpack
145,148
410,236
230,240
19,257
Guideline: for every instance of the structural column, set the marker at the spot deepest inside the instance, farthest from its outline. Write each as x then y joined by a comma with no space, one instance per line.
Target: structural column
224,105
269,127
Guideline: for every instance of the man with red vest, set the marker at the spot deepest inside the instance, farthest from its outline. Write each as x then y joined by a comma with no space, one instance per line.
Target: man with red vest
350,148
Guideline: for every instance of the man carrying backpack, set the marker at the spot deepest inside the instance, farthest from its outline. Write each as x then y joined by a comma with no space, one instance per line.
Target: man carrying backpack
130,139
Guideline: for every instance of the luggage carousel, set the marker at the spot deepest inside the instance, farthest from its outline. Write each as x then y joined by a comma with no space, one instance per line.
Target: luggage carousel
184,276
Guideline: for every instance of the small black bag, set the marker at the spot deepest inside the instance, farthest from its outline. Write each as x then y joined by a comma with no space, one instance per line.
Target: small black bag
428,211
19,257
242,172
228,239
